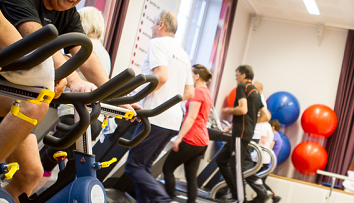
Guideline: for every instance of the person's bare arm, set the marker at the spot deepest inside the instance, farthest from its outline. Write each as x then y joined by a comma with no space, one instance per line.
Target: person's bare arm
239,110
228,130
9,34
161,72
26,28
264,115
188,92
75,83
92,68
263,140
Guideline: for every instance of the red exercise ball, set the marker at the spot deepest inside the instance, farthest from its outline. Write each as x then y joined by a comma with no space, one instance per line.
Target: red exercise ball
319,119
308,157
230,100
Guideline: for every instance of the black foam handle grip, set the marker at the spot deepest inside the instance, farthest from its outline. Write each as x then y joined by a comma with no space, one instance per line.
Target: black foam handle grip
95,113
159,109
128,87
47,50
138,96
71,137
143,114
139,137
98,94
26,45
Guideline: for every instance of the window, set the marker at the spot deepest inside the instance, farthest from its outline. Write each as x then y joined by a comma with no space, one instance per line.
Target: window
197,23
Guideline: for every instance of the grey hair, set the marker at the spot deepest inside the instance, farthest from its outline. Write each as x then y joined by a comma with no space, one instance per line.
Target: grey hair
92,22
170,21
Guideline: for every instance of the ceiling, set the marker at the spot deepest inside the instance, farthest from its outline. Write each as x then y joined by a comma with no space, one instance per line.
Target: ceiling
333,13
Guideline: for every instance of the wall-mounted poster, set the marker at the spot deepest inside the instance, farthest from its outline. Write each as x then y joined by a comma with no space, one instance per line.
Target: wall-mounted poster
144,34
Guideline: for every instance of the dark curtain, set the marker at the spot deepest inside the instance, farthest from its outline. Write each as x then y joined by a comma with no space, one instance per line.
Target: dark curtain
340,146
116,28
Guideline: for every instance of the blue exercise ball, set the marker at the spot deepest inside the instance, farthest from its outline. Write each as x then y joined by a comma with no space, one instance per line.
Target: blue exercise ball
284,107
284,150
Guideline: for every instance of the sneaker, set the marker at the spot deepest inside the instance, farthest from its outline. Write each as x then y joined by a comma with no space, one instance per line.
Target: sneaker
276,199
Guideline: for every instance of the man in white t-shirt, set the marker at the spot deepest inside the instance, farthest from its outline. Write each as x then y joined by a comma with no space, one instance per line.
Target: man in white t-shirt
170,63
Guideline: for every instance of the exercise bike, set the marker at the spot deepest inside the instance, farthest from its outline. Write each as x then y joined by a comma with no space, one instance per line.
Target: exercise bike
38,94
10,61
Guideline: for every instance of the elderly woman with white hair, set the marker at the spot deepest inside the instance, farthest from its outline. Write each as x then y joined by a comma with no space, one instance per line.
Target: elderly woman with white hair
93,24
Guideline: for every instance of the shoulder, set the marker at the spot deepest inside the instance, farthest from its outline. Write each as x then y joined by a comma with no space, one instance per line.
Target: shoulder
241,85
200,94
19,3
157,41
21,11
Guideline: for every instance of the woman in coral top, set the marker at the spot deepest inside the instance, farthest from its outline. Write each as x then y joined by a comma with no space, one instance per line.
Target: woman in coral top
193,137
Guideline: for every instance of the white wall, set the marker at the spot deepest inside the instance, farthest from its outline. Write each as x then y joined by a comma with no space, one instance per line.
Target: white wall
288,57
130,28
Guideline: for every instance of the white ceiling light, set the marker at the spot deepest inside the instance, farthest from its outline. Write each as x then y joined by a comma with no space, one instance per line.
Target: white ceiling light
311,7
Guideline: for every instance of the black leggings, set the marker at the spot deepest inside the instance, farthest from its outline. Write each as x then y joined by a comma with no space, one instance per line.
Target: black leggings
190,156
47,153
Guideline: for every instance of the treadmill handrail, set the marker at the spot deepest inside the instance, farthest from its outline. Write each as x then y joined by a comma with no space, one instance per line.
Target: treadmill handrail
258,165
246,174
273,163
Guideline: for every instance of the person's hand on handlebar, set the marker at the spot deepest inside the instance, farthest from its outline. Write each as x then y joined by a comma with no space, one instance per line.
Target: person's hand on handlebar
134,106
80,85
59,87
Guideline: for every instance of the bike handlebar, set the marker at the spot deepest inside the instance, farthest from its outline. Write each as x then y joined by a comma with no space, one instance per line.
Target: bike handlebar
98,94
47,50
79,99
143,114
26,45
151,79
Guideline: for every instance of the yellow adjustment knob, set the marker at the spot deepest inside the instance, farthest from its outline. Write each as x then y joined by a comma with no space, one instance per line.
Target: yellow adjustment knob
108,163
129,114
45,96
12,167
15,110
104,123
60,154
